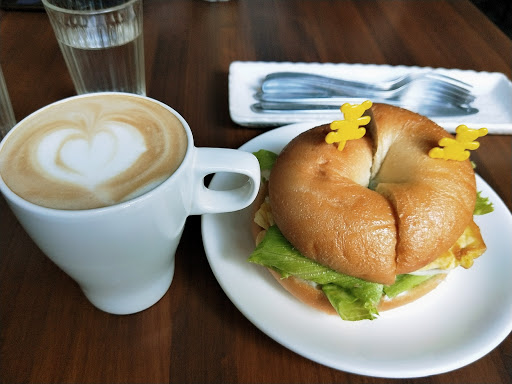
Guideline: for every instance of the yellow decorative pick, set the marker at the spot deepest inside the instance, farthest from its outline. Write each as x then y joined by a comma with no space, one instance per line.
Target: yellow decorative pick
350,128
458,148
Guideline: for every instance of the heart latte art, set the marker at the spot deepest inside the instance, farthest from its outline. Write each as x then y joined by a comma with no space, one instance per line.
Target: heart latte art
92,152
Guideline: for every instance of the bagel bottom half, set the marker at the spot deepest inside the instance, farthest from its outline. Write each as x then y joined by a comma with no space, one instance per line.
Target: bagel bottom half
314,297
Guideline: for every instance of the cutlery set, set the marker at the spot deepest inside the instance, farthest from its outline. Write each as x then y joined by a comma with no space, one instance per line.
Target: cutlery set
428,93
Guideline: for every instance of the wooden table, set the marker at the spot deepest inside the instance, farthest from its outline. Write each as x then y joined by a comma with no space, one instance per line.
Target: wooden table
48,330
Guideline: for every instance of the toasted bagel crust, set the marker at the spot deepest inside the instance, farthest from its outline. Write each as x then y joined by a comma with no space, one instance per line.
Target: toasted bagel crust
416,208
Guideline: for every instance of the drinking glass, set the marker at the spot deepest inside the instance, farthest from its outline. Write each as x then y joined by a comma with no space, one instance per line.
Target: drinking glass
7,120
102,43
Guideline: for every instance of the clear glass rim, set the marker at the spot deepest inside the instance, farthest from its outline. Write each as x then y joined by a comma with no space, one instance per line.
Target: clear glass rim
49,6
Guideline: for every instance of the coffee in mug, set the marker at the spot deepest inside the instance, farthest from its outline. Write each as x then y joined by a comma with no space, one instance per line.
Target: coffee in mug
93,152
103,184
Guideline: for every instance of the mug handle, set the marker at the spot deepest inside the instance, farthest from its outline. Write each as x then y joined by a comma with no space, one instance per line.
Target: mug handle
212,160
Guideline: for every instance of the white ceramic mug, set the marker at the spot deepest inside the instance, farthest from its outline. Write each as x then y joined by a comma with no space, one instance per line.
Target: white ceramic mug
122,255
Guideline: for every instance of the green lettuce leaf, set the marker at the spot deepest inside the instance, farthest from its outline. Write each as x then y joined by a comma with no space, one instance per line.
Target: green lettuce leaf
404,283
266,159
483,205
276,252
347,305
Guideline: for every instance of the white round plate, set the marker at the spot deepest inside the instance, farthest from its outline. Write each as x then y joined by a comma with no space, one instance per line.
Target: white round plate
465,318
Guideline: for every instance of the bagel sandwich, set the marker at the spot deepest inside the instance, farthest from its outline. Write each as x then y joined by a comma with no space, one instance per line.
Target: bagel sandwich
369,228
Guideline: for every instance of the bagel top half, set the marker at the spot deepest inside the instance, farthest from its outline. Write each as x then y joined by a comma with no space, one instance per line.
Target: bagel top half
378,208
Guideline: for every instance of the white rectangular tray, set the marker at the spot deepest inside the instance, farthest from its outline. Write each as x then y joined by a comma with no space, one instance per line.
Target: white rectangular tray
493,93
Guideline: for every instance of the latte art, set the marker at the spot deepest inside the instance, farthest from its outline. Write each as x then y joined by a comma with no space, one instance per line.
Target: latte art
70,155
92,152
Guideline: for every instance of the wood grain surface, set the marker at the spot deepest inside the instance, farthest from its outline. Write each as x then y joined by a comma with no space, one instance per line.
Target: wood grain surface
49,333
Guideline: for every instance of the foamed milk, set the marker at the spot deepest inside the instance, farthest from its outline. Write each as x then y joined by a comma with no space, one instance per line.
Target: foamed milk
92,152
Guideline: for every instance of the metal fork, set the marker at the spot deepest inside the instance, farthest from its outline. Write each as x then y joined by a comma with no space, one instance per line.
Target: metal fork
299,85
418,92
427,109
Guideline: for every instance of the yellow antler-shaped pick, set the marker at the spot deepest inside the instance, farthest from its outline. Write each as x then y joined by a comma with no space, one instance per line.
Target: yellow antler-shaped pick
350,128
458,148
